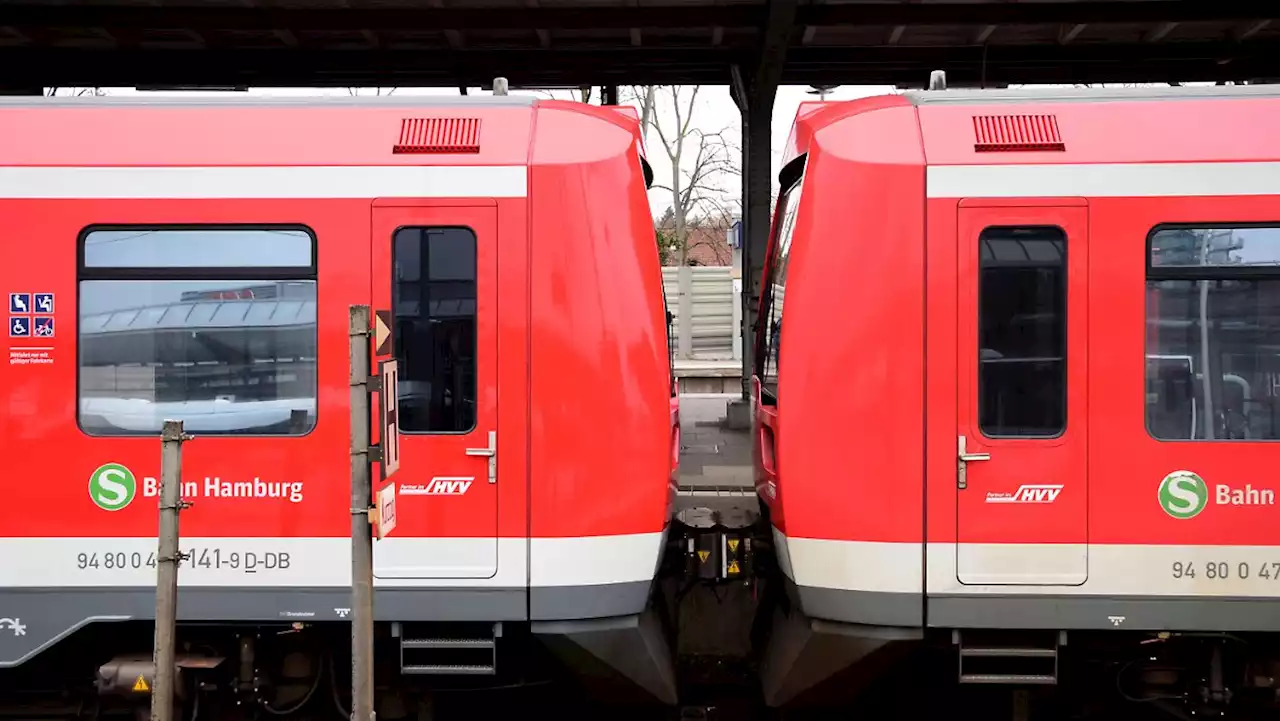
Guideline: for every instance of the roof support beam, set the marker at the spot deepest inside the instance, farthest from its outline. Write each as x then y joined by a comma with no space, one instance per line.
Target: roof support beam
754,95
1251,29
1070,32
28,65
544,35
975,15
1159,32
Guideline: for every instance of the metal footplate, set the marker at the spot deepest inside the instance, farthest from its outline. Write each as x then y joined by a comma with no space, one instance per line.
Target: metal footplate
448,649
1022,661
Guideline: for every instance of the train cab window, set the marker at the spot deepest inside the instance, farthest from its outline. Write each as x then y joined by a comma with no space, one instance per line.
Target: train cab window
1213,333
1022,332
434,303
211,325
774,290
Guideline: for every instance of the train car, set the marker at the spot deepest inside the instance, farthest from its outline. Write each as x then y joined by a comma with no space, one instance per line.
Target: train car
1030,398
195,260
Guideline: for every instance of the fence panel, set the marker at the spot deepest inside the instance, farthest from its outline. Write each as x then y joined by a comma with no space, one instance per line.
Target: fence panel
713,314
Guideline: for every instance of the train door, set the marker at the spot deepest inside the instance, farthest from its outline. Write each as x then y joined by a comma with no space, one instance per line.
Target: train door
1022,482
434,269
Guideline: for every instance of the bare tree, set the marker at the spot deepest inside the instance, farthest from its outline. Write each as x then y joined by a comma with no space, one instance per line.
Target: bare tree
698,158
645,96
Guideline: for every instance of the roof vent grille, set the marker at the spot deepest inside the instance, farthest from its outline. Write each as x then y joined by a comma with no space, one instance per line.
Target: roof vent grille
438,135
1012,133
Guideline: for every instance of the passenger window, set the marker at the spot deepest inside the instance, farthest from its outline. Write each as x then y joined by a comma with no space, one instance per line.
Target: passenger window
1022,332
434,305
775,289
213,326
1213,333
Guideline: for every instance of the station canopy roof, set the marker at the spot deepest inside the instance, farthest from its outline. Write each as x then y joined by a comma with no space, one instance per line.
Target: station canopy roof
572,43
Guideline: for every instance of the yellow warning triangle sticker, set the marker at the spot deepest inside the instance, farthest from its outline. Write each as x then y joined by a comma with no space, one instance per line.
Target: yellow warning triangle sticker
704,555
733,546
141,685
733,567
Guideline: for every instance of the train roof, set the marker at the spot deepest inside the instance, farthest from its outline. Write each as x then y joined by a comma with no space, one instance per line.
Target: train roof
202,315
1053,125
310,131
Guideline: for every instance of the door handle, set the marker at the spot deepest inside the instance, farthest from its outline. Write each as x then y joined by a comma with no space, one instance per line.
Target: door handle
492,452
962,465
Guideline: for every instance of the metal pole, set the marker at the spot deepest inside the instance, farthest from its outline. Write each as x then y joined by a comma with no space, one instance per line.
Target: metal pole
167,559
361,532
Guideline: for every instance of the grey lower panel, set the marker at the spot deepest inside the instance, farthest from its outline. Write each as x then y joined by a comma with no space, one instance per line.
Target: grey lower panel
862,607
621,657
805,653
33,619
553,603
1160,613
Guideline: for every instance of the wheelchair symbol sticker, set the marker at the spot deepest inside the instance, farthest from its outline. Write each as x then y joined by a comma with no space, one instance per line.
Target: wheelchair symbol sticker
20,327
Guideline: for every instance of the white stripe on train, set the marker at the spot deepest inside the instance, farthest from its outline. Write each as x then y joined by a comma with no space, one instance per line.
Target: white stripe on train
326,562
511,181
1099,180
1029,569
188,182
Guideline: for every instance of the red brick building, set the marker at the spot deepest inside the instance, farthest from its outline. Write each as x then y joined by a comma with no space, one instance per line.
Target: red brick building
707,246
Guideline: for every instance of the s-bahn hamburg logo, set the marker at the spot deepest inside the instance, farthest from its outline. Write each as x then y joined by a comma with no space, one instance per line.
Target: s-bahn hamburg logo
112,487
1184,494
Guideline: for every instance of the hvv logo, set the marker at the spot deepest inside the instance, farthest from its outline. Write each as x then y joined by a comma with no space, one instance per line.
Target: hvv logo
1028,493
439,486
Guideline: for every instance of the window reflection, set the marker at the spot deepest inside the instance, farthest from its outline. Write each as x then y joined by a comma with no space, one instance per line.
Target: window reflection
197,248
775,291
1203,247
1213,334
235,355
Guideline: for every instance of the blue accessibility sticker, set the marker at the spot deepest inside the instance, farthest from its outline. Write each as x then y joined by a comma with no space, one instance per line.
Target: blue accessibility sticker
19,327
20,303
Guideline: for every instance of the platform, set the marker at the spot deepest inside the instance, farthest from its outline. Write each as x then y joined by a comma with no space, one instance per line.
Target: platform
708,376
712,455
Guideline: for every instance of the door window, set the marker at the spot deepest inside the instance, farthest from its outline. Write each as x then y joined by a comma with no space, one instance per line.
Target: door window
1022,332
434,305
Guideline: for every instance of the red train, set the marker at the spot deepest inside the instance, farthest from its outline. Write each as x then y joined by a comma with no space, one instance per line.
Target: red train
1026,394
175,258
